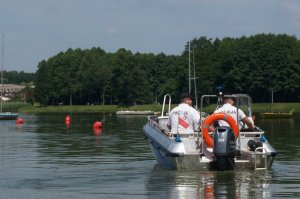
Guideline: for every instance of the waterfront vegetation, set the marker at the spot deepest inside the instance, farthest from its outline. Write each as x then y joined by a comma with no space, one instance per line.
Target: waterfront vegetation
28,108
259,65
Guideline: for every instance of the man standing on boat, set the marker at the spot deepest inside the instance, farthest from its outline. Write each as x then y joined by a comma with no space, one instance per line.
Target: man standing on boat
234,112
184,119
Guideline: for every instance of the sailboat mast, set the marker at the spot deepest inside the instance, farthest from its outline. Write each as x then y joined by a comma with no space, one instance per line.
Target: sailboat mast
189,67
2,65
194,78
196,98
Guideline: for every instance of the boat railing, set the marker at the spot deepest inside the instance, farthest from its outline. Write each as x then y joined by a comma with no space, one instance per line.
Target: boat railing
164,103
261,151
251,134
160,124
153,122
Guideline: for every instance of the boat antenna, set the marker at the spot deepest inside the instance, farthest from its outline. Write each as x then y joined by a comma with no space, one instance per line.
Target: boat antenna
220,95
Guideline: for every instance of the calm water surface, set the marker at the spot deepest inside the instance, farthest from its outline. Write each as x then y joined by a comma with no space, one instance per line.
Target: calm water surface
45,158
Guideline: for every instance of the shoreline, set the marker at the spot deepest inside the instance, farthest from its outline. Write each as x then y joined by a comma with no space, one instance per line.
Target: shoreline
26,108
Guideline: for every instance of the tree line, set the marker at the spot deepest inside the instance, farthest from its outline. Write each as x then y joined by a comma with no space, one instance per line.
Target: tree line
256,65
17,77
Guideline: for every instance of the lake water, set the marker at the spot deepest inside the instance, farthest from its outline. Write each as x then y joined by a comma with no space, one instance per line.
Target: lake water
45,158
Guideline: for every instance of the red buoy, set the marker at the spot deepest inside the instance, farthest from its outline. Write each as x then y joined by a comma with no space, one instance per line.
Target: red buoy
67,123
19,120
97,131
68,119
97,125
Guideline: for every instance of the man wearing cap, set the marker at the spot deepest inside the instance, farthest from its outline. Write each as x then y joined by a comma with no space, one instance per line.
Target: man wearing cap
184,119
231,110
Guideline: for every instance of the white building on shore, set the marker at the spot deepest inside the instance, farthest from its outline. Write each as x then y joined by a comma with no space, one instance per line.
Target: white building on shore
10,90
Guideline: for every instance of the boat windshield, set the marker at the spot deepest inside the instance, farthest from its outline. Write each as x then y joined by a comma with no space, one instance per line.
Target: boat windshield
242,101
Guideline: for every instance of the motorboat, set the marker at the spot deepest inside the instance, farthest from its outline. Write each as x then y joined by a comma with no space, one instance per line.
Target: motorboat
277,115
8,116
226,148
128,112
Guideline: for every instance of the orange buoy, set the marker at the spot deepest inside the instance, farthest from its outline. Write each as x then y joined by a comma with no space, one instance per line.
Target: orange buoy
97,125
19,120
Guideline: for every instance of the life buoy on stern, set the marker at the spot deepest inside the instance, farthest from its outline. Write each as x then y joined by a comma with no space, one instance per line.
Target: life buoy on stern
214,117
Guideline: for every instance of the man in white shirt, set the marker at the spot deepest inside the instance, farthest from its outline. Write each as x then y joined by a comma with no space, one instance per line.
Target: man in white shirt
236,113
184,119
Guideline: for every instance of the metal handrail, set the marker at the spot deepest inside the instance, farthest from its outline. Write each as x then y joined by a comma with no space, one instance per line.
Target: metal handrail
264,152
164,102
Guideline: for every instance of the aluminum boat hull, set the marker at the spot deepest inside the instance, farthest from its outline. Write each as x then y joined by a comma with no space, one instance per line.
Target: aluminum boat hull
189,155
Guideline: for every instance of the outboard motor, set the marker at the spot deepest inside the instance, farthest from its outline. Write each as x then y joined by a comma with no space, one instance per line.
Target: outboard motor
224,148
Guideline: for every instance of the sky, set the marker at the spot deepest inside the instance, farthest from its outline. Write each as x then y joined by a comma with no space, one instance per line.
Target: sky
35,30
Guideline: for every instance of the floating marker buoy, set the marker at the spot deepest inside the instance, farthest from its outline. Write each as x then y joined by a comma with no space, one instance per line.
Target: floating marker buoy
19,120
67,122
97,125
67,118
97,131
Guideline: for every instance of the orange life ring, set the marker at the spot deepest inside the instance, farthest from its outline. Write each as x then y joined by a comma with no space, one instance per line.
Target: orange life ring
214,117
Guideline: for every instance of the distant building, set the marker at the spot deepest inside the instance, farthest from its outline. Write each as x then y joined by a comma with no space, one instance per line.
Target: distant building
10,90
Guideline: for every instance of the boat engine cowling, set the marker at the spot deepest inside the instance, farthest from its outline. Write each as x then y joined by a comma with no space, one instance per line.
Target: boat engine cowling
224,148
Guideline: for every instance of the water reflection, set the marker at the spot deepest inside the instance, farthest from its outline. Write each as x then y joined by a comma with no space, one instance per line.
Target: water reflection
78,139
284,134
97,131
208,184
45,158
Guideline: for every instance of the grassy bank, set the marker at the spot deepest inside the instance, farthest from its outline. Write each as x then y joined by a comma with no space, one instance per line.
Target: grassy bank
276,107
14,106
87,108
27,108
